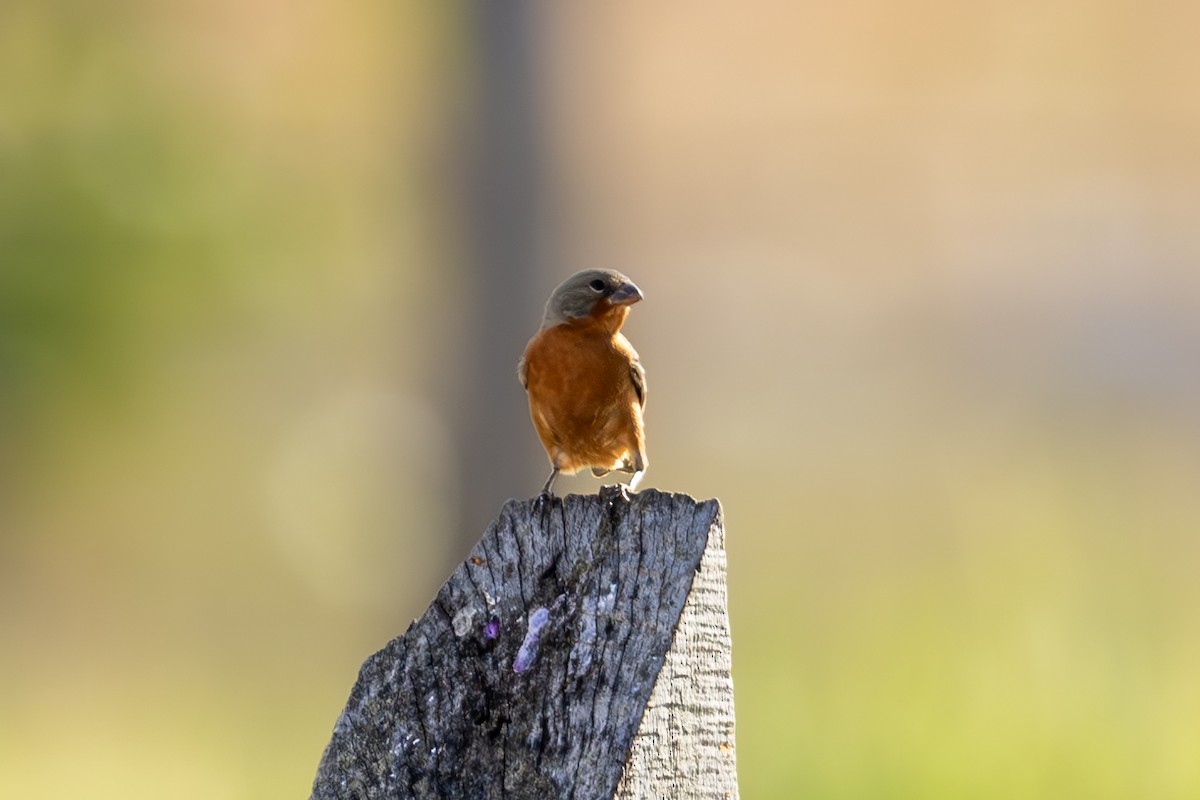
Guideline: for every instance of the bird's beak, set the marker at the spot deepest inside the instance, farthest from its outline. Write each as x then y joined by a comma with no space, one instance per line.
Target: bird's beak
625,295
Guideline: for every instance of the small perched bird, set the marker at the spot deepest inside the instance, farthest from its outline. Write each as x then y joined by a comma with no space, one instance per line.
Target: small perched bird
585,383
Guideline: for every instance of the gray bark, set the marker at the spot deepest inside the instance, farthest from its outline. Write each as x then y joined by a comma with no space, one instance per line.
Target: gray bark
528,675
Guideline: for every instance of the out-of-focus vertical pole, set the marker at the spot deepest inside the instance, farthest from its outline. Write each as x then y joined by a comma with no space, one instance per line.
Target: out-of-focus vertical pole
497,452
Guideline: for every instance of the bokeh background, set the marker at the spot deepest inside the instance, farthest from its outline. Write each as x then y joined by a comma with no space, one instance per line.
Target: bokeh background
923,311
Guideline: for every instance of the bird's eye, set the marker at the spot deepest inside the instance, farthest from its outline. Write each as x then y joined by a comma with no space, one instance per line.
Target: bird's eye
597,285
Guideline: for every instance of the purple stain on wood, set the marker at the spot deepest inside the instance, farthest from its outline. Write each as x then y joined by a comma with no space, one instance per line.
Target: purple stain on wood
533,638
492,629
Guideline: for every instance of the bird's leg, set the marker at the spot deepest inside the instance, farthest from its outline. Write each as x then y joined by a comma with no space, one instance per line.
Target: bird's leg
549,484
636,479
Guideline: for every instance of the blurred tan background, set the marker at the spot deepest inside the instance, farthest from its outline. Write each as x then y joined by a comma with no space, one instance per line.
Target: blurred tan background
922,305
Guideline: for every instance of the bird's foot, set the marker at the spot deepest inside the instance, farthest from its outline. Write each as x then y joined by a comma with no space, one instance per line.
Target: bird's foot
609,494
625,490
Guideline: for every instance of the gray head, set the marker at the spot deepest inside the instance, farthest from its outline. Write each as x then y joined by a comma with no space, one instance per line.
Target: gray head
577,296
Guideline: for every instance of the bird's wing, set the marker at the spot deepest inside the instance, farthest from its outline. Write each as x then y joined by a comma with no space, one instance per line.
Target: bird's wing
639,380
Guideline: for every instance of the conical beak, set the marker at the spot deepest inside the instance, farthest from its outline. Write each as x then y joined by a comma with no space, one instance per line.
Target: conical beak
625,295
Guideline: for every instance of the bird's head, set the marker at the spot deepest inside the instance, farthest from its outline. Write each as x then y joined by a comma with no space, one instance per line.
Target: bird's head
594,293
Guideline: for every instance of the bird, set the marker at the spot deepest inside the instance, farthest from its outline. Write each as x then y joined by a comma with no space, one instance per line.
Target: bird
586,384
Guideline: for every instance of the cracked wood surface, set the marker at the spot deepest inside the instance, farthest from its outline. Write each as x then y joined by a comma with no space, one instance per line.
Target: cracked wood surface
528,675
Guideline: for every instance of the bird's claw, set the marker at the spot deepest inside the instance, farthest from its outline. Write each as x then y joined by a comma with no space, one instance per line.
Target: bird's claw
611,493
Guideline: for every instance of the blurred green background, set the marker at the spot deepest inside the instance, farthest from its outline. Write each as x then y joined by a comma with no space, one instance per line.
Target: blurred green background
923,311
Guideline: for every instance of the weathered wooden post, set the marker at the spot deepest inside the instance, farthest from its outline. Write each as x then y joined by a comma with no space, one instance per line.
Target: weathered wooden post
582,651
